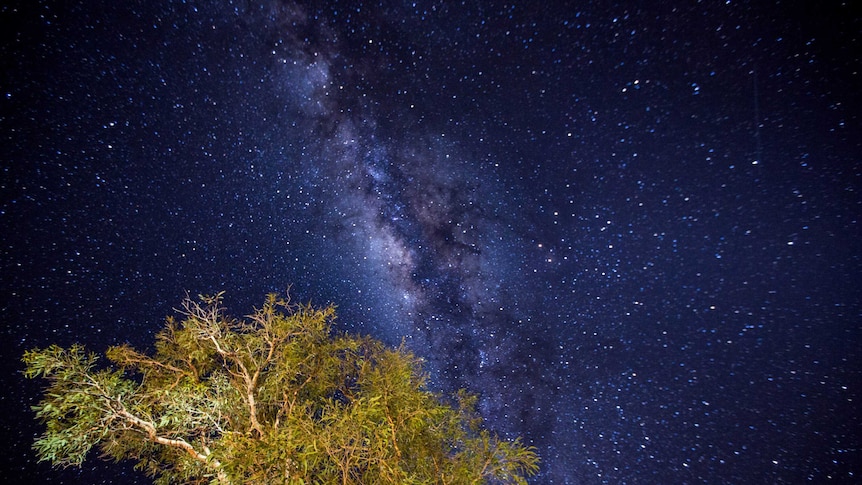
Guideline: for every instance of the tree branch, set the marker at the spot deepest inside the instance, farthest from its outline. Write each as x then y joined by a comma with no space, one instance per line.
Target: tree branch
149,429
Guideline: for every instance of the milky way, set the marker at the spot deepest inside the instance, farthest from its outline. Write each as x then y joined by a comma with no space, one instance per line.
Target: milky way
633,231
424,224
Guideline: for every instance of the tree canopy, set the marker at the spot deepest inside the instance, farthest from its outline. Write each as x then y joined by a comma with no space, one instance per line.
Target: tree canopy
274,397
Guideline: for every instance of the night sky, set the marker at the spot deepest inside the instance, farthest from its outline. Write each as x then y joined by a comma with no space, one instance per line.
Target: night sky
633,228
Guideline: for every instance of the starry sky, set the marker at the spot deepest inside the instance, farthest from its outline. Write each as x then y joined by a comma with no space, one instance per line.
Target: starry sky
631,227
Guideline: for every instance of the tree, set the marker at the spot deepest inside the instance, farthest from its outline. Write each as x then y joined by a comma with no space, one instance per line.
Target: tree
275,397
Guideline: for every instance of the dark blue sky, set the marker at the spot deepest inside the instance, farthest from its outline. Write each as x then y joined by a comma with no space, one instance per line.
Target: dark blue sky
632,230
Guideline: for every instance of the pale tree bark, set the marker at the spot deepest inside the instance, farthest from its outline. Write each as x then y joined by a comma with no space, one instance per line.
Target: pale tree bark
149,430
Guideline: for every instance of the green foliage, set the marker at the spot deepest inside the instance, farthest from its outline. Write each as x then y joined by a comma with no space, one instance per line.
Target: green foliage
271,398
